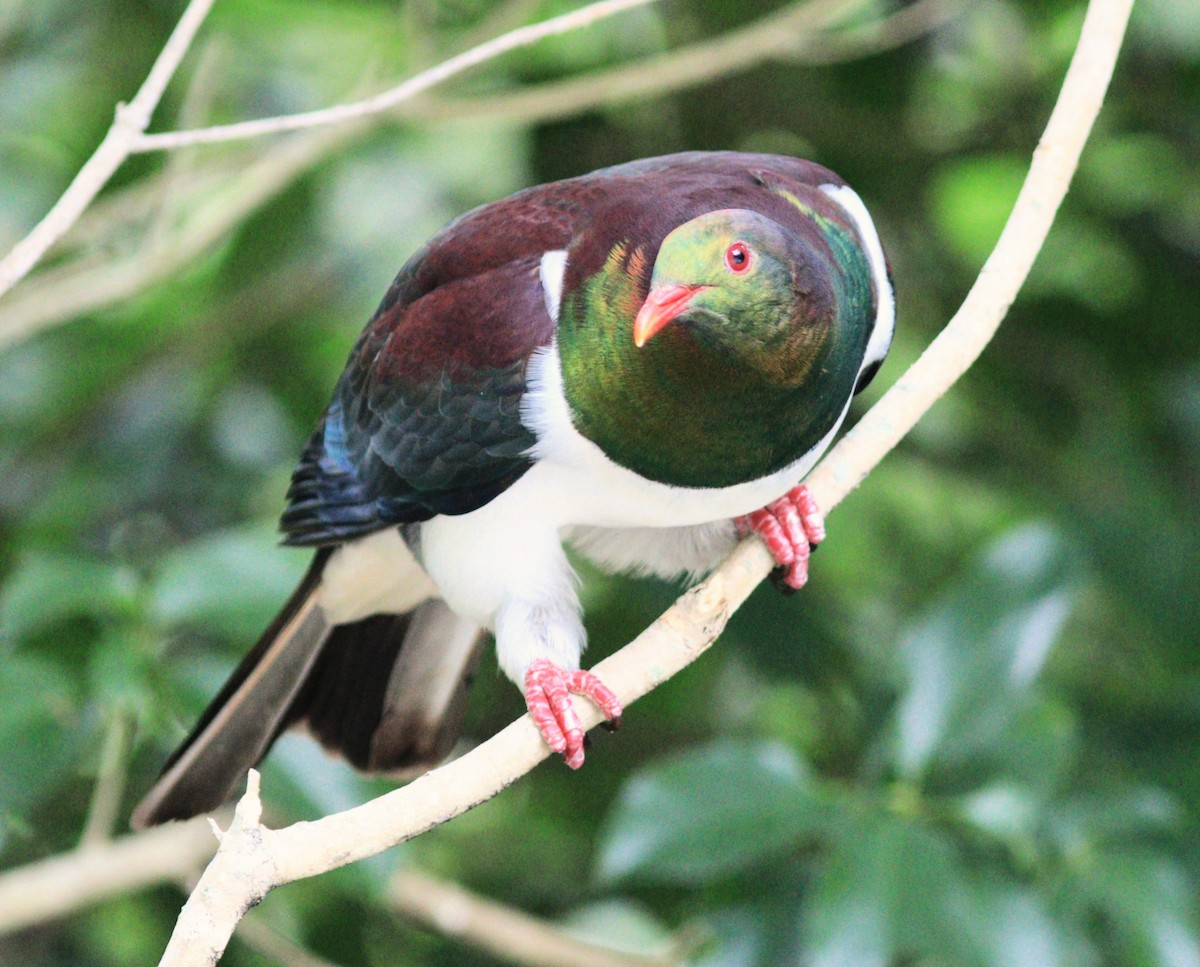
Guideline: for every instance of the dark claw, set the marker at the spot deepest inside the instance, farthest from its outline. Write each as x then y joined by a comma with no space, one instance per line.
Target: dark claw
779,579
611,724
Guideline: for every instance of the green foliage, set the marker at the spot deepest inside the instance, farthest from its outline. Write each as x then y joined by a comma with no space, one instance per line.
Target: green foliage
969,741
45,588
240,580
730,805
962,835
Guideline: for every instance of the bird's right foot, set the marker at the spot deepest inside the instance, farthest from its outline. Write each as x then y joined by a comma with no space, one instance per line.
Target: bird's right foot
548,696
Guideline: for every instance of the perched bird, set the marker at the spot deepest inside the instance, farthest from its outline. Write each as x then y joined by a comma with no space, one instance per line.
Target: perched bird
641,363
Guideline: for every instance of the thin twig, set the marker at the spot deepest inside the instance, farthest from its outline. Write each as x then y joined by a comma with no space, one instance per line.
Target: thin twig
501,930
180,168
55,887
799,33
253,860
127,133
110,782
384,101
130,121
66,291
255,933
896,29
504,17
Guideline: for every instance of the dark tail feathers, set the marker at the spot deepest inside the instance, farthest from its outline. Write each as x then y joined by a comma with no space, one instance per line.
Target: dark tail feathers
387,692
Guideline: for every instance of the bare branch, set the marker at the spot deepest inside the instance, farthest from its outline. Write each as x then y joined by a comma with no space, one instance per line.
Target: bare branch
253,860
255,933
110,782
521,37
798,33
509,934
75,287
898,28
131,120
57,886
1004,272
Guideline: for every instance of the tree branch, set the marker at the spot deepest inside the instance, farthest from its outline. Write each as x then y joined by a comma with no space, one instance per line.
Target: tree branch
798,33
110,782
68,290
55,887
384,101
253,860
501,930
127,127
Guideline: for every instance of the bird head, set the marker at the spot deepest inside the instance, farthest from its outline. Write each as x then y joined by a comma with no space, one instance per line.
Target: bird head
730,357
733,278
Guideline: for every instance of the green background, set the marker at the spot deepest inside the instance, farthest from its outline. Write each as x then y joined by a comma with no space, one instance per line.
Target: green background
970,740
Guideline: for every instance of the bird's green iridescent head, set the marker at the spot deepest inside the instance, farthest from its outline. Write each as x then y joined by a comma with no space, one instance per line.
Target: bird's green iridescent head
737,361
736,281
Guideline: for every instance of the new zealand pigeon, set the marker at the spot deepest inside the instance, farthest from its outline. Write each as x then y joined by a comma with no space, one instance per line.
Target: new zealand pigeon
641,363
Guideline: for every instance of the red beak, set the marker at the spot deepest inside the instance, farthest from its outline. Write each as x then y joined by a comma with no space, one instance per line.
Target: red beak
661,306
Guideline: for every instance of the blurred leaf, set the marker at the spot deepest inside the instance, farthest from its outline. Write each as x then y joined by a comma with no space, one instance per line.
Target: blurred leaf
971,201
249,427
39,731
1113,818
1026,770
619,925
740,937
1006,810
1168,25
1020,929
890,889
1179,398
970,662
1076,254
231,582
1039,748
1104,172
48,587
1150,904
122,671
708,813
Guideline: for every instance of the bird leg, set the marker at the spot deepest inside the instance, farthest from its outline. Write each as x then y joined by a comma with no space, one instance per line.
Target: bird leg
791,527
548,695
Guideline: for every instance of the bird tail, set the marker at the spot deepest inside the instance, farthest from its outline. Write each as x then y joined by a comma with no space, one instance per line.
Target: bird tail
387,692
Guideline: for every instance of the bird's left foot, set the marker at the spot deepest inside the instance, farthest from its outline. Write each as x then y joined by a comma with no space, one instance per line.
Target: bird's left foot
791,527
548,696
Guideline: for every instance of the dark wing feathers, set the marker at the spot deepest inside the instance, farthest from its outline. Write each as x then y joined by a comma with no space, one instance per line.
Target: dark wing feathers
431,448
327,502
426,418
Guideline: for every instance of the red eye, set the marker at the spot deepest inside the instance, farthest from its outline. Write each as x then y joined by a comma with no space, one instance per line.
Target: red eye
737,257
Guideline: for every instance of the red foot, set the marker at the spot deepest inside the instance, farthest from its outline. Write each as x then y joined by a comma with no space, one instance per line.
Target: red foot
789,526
547,694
